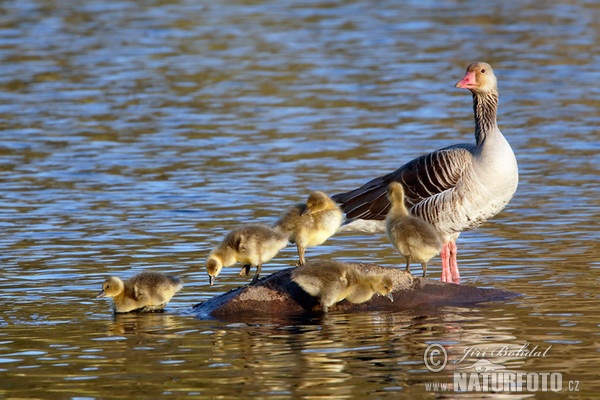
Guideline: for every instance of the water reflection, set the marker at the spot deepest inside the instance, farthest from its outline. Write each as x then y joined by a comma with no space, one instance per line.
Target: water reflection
325,357
156,323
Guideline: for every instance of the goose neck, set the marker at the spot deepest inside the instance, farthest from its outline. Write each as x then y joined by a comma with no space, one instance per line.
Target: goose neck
485,107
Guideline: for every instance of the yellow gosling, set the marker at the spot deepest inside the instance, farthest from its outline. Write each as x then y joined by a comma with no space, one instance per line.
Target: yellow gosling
414,238
311,224
252,245
146,291
332,282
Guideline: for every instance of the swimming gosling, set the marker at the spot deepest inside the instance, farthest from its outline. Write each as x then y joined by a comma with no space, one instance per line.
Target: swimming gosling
147,291
414,238
251,245
333,282
311,224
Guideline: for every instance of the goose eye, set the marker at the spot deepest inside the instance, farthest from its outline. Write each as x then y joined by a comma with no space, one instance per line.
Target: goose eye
483,70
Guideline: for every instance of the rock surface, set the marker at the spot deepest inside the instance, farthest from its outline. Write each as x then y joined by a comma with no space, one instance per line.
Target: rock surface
279,296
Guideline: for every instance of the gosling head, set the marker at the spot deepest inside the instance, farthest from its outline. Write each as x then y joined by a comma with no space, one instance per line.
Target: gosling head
479,78
384,285
213,267
395,193
317,201
111,287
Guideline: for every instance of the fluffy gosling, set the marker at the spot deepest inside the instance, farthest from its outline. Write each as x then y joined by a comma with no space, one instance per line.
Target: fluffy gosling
333,282
312,223
251,245
414,238
147,291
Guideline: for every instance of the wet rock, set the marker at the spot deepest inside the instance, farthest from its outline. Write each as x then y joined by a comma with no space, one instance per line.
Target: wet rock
279,296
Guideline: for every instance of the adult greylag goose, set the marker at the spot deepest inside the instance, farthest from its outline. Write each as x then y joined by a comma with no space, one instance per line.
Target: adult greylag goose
332,282
312,223
455,188
414,238
251,245
147,291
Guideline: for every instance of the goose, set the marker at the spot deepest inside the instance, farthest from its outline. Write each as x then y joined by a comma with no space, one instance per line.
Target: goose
455,188
414,238
332,282
311,224
251,245
147,291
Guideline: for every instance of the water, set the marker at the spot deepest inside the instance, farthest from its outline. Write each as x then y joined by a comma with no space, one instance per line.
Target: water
135,134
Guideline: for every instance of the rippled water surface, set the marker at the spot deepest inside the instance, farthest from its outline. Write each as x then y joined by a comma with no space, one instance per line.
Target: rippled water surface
135,134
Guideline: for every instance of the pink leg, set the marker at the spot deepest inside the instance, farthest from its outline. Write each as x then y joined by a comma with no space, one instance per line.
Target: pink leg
454,274
445,256
449,264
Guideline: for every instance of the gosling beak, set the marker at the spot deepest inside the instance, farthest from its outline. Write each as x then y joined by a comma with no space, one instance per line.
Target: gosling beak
389,296
211,280
101,294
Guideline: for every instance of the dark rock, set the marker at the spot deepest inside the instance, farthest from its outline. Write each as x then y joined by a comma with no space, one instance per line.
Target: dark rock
279,296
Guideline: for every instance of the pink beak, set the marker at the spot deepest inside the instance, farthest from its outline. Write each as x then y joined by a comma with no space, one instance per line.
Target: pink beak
468,82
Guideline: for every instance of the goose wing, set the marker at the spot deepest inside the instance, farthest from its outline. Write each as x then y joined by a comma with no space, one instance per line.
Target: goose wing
423,178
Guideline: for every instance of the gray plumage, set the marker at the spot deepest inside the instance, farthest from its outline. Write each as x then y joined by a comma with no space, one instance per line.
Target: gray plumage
455,188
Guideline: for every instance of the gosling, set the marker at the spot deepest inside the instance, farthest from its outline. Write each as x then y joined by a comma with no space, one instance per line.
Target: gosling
311,224
145,292
251,245
414,238
333,282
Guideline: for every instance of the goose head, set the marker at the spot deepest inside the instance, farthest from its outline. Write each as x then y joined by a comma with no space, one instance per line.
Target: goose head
383,285
112,287
317,201
214,265
479,78
395,193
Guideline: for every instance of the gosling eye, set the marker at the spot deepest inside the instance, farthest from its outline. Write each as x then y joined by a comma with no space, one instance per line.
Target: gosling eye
483,70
